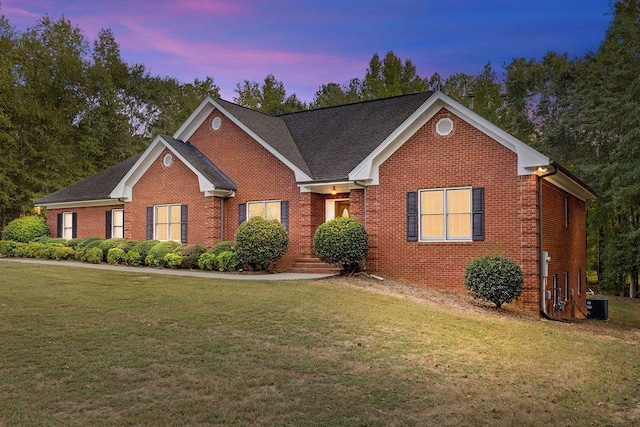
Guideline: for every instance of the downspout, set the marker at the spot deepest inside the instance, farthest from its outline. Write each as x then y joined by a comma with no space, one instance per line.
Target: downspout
222,214
543,306
364,196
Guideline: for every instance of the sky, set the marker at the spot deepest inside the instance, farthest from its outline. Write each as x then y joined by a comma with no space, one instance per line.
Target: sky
308,43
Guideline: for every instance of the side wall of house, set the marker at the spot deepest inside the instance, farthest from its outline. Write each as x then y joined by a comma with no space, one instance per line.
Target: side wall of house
259,176
464,158
564,238
91,221
173,185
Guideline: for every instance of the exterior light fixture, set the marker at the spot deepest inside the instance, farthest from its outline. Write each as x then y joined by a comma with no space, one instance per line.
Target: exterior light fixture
542,169
333,191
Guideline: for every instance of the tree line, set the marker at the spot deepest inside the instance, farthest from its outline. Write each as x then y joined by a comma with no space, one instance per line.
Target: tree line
70,107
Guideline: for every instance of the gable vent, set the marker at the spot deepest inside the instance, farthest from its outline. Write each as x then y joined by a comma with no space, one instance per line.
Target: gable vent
444,126
216,123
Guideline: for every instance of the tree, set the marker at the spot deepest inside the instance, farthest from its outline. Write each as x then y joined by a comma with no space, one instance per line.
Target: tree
331,94
390,77
269,98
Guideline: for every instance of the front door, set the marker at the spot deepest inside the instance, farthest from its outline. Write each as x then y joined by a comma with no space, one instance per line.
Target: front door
342,208
336,208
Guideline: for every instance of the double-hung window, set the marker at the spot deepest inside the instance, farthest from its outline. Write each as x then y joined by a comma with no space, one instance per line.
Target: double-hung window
167,222
266,210
67,225
117,223
445,214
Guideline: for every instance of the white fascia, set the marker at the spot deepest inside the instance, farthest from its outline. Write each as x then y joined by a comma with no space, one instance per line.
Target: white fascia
124,189
80,204
528,158
203,111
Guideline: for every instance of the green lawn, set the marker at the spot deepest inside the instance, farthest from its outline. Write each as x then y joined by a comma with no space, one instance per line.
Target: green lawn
93,347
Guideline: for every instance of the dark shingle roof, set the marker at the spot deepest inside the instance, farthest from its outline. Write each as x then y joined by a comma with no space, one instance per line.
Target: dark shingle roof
334,140
95,187
202,164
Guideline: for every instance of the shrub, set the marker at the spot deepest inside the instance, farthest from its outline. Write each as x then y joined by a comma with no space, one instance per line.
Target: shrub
208,261
109,244
7,248
173,260
93,242
261,242
49,248
35,250
133,258
20,249
127,245
92,255
143,248
25,229
342,241
190,255
62,252
82,242
116,256
228,261
224,246
495,279
156,255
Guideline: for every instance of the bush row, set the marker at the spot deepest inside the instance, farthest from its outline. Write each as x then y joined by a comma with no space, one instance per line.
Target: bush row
118,251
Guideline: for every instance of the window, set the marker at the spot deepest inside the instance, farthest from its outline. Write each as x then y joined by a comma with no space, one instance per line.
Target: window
267,210
566,285
67,225
579,281
117,223
167,223
566,212
445,214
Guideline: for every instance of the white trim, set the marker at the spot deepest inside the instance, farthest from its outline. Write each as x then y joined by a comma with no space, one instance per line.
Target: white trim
113,223
528,158
80,204
169,223
206,107
124,189
67,225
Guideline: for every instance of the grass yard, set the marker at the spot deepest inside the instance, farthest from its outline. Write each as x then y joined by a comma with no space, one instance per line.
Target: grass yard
92,347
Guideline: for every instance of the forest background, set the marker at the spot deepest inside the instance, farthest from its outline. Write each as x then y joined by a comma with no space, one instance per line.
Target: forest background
71,107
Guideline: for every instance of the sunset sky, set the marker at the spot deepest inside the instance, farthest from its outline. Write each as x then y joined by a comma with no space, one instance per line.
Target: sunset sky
308,43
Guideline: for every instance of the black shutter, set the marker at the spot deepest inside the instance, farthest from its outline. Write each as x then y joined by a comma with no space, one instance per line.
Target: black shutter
284,214
150,223
477,213
412,216
74,225
59,226
184,216
242,213
107,224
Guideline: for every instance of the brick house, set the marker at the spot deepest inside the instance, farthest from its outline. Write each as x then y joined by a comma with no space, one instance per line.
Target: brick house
434,184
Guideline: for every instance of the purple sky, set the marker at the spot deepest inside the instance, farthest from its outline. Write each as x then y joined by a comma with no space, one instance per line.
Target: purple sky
308,43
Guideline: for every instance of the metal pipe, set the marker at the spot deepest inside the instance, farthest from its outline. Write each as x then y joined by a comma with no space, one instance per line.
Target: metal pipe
364,197
543,305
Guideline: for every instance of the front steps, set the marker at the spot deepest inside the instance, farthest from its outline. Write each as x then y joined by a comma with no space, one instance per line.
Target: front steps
313,265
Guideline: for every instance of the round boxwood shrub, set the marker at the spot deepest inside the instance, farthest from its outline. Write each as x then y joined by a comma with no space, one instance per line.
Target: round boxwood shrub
261,242
62,253
92,255
157,254
7,248
190,255
133,258
144,247
228,261
109,244
208,261
116,256
173,260
224,246
25,229
494,279
342,241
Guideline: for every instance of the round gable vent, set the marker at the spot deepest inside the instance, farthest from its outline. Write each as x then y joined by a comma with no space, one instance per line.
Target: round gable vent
216,123
444,126
167,160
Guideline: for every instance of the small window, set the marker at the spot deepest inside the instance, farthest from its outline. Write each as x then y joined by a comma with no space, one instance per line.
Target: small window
117,223
67,225
445,214
556,291
566,285
566,212
167,223
267,210
579,281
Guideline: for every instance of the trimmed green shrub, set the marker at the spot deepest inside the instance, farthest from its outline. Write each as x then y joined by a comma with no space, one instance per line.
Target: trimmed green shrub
156,255
494,279
144,247
35,250
62,253
93,242
228,261
49,248
25,229
261,242
173,260
208,261
108,244
342,241
116,256
127,245
82,243
224,246
133,258
190,255
7,248
92,255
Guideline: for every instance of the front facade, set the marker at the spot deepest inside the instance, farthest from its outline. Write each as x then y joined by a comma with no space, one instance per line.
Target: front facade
434,184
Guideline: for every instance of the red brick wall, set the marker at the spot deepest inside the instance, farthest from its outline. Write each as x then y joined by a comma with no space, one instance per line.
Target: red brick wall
567,248
259,176
466,157
91,220
175,184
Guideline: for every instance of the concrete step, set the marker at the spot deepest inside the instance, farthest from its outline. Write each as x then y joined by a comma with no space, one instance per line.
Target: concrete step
313,265
314,270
